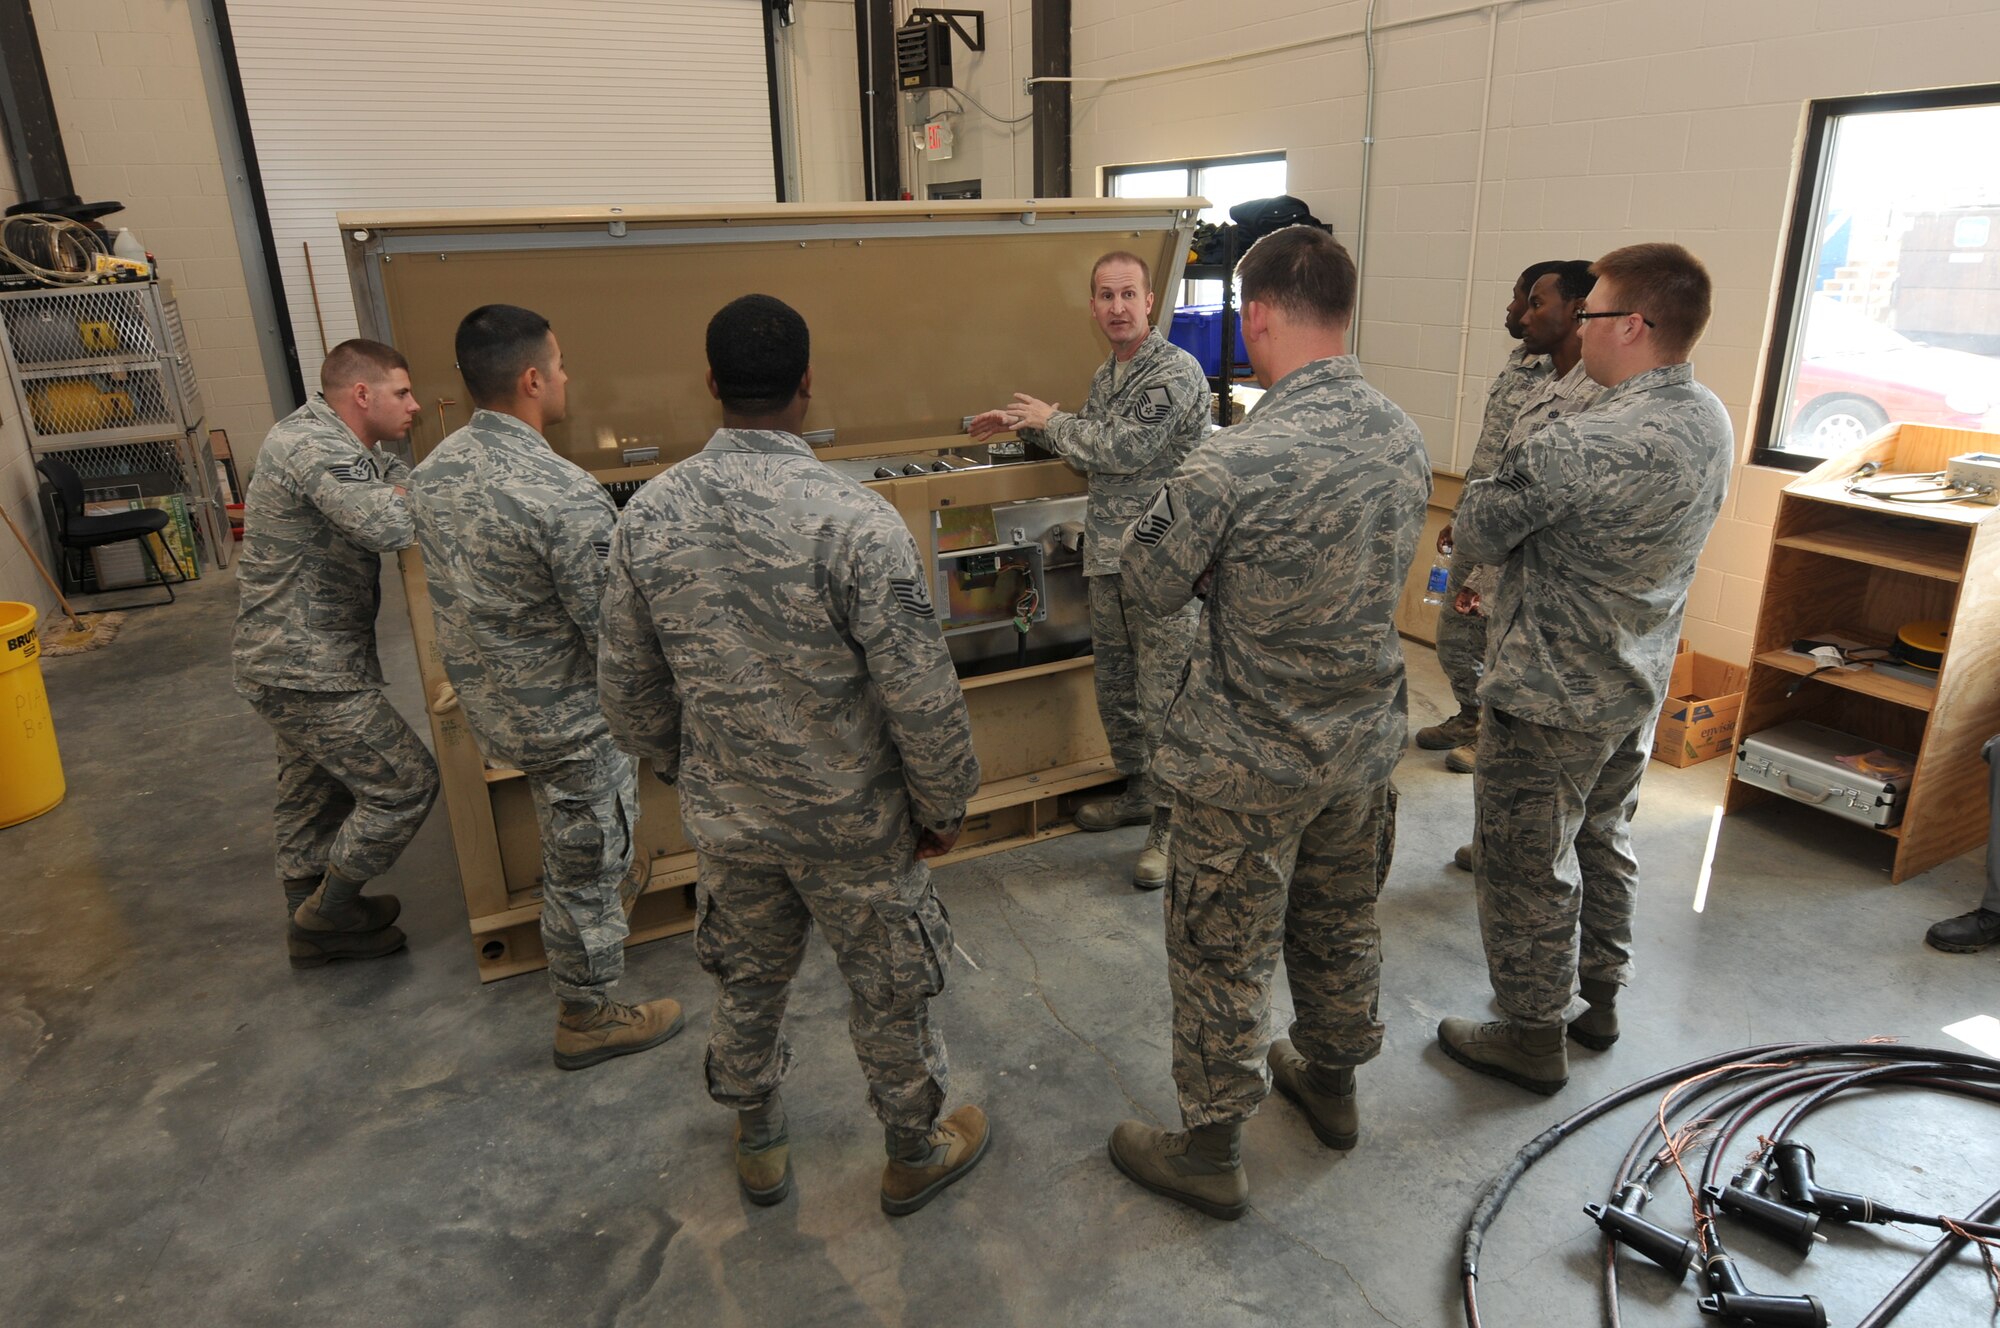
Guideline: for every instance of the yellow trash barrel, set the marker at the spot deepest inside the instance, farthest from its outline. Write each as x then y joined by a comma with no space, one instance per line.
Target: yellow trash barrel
31,776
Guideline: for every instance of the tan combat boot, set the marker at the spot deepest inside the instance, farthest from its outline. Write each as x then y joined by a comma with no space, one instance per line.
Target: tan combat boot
1462,760
298,889
1132,807
764,1153
921,1166
590,1033
1324,1093
1201,1167
1597,1027
337,921
1462,858
1535,1058
1151,870
1457,731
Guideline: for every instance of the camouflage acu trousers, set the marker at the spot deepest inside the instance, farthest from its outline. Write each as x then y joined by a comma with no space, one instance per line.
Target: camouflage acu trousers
1461,641
1552,856
587,809
1246,888
354,781
1139,663
892,940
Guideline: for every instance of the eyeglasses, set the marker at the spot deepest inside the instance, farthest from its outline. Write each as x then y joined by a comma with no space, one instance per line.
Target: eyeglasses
1583,317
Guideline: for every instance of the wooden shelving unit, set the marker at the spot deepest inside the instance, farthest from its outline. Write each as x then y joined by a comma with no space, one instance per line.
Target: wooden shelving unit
1849,565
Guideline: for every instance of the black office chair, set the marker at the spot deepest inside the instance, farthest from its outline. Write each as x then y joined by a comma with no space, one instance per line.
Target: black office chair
77,530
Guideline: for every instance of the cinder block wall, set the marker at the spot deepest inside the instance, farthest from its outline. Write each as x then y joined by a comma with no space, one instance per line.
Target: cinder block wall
1611,121
18,481
135,118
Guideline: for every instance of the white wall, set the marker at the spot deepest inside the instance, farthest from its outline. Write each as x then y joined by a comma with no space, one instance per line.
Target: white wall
489,103
827,120
127,81
1000,156
18,480
1612,121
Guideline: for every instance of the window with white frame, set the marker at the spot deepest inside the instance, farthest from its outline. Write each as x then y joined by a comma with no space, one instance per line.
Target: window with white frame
1889,301
1223,181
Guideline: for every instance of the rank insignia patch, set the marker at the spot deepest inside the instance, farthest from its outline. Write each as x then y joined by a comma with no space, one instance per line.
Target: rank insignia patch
912,596
1159,519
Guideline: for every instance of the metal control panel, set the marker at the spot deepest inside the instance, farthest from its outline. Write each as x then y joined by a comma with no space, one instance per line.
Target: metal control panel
1976,474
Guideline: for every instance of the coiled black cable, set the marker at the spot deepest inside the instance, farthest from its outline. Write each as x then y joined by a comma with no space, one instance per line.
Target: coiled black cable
1775,1071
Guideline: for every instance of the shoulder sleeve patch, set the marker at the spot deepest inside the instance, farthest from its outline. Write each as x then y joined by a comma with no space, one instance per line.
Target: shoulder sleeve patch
603,548
913,596
358,471
1155,404
1514,481
1159,519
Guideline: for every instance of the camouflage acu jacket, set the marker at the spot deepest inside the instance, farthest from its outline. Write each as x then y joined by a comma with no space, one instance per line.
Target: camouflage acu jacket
1547,400
1596,522
1305,518
1128,438
320,511
514,540
1511,388
769,638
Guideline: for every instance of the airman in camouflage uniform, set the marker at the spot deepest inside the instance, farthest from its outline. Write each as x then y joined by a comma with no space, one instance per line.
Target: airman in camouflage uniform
1299,527
1596,522
1552,330
1148,405
514,540
770,644
354,780
1461,637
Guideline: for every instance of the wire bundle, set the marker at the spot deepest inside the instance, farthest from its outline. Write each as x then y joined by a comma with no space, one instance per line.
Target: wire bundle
1714,1100
56,250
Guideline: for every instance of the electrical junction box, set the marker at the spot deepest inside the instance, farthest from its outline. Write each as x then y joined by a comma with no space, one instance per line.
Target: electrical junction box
923,55
1978,472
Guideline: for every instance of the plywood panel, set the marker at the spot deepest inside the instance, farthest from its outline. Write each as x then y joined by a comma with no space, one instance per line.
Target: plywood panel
1036,722
911,334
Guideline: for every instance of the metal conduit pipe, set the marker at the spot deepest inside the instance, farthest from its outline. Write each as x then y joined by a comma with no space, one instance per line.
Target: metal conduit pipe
1472,238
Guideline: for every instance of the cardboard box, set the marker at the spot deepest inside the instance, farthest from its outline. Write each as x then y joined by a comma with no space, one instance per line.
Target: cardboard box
1698,722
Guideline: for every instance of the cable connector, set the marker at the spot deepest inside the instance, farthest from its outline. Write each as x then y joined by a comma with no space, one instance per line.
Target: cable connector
1732,1300
1621,1222
1795,1226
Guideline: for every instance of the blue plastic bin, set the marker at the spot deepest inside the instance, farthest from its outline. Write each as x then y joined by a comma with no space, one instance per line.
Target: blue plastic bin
1197,329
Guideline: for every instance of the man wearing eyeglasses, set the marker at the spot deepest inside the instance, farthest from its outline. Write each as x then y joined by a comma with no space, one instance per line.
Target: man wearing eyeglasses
1595,522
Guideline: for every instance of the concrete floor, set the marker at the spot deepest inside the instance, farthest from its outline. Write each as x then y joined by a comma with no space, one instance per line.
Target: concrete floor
194,1133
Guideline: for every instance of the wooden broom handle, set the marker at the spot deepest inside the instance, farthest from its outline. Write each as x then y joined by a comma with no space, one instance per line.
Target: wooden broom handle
29,550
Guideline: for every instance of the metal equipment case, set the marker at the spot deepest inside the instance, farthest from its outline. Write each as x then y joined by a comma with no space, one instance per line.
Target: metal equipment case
922,314
1802,761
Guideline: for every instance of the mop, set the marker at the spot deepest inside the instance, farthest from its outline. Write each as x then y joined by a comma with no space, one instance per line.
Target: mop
83,631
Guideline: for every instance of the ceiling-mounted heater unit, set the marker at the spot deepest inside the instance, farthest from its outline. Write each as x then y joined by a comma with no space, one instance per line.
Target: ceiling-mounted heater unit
923,46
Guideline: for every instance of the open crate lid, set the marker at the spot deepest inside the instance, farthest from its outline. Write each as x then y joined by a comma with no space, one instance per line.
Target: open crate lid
921,313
